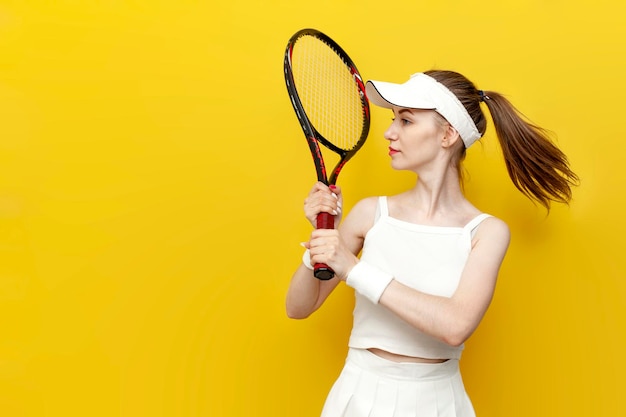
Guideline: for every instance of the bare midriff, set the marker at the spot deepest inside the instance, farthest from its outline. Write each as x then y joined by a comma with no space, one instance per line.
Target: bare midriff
402,358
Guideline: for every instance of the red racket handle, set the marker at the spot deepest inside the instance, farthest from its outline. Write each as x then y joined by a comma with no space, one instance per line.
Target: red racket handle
323,271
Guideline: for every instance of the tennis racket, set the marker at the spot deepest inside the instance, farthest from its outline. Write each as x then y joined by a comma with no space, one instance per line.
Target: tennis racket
328,95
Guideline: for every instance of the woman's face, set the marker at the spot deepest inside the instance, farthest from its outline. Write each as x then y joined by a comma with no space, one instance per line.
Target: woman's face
414,138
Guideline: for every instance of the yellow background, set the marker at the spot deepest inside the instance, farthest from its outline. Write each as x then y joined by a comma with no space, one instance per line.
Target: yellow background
152,174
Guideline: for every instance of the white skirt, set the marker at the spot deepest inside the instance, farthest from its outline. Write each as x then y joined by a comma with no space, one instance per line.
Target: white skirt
370,386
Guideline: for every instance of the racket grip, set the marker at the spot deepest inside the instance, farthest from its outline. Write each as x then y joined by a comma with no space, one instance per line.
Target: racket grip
323,271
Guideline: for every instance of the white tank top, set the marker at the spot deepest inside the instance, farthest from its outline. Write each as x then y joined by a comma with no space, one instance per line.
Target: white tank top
427,258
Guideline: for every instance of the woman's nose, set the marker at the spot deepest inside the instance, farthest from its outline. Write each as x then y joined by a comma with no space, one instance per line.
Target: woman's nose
390,133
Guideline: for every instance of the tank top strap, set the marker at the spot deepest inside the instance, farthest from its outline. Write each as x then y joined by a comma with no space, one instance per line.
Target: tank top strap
382,206
381,209
473,224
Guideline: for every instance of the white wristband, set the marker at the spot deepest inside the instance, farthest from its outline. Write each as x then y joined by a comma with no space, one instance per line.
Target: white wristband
368,281
306,259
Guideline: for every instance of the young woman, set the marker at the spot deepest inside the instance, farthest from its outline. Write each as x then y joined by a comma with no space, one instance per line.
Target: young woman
429,258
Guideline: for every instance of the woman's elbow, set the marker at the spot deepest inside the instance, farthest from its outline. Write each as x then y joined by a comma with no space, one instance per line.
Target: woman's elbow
457,335
454,340
297,313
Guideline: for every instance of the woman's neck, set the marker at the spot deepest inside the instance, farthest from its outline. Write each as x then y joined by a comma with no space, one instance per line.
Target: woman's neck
436,199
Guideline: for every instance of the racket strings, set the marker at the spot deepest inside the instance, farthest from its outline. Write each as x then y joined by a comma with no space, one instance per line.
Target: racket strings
328,92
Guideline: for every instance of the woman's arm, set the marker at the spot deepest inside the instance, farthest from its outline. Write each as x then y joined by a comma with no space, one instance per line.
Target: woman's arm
454,319
307,293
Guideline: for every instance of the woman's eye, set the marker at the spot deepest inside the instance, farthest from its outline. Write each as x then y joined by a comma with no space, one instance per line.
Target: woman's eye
403,122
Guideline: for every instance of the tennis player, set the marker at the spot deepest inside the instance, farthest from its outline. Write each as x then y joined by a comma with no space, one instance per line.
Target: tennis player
429,258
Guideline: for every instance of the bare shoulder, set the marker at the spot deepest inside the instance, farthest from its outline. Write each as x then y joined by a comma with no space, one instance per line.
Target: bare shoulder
366,206
494,231
361,216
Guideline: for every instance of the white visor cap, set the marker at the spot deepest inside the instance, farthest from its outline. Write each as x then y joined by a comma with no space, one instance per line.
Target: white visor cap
424,92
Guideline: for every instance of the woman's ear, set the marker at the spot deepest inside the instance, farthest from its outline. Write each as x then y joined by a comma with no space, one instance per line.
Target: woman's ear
450,137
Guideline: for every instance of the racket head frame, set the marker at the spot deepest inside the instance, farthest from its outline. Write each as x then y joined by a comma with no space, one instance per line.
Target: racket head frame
314,138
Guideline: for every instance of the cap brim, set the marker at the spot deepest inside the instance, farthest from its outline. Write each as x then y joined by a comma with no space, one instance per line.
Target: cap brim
389,95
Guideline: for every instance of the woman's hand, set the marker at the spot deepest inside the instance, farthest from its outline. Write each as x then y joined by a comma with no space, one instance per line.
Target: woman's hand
327,247
307,294
323,198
